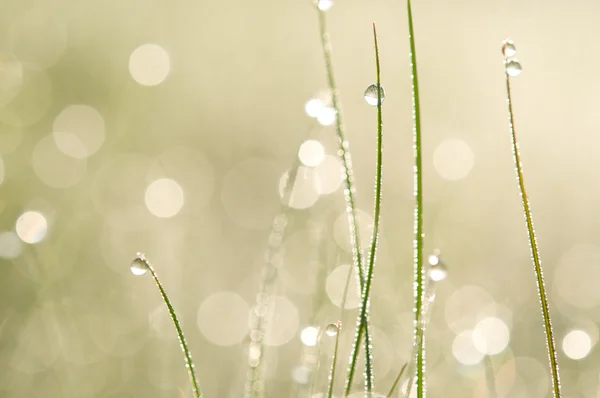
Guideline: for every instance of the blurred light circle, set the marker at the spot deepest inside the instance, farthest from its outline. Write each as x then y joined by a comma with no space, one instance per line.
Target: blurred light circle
32,101
491,336
149,64
249,193
464,350
11,77
298,270
577,344
465,307
54,168
78,131
309,336
328,175
192,171
313,107
164,198
336,283
223,318
453,159
31,227
302,194
11,245
341,229
327,116
283,322
301,374
311,153
36,37
582,292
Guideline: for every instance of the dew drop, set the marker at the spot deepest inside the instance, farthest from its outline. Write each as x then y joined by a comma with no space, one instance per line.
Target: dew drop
438,271
372,95
513,68
332,329
508,48
324,5
139,266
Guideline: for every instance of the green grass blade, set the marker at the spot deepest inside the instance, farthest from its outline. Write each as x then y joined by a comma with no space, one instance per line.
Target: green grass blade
332,371
349,189
535,255
419,335
363,317
138,263
398,378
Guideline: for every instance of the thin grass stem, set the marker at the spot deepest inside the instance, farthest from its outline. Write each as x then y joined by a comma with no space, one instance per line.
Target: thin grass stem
419,335
363,316
141,260
397,381
535,254
349,189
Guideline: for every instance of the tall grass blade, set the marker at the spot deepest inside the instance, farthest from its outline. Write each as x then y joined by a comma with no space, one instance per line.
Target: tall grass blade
363,316
332,371
512,67
139,266
419,335
397,381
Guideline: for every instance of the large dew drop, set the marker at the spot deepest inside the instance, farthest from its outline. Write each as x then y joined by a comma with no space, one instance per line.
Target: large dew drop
332,329
513,68
372,95
437,268
508,48
139,266
324,5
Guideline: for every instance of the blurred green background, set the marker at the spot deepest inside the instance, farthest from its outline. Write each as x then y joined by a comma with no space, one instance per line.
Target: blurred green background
169,127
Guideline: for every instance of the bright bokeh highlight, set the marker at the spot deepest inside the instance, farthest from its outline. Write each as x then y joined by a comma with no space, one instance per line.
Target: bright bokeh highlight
149,64
577,344
31,227
164,198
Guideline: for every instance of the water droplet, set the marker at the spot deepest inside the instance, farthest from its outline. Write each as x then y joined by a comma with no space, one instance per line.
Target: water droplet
332,329
324,5
139,266
438,271
372,95
513,67
508,48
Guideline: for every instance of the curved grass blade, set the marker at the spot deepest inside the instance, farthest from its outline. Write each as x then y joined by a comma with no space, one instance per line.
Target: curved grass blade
139,266
363,316
419,335
535,254
349,189
398,378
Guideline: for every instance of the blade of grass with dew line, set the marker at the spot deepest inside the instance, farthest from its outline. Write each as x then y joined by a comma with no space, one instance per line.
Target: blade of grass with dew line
344,153
395,384
363,316
419,335
139,266
514,68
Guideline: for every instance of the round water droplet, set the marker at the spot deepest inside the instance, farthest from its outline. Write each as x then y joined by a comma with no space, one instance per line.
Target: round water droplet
371,94
508,48
438,271
139,265
324,5
513,68
332,329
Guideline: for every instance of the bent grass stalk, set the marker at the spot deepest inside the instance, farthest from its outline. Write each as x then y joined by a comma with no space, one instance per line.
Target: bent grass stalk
419,335
535,254
189,363
348,175
363,316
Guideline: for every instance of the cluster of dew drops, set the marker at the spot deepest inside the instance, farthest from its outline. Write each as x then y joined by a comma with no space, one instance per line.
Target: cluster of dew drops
513,67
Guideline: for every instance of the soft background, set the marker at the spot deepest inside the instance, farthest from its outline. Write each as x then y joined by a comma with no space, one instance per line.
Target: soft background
214,110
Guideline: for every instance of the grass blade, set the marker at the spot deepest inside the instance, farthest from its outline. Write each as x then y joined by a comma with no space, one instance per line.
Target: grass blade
398,378
535,254
332,371
419,335
363,316
349,189
139,266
